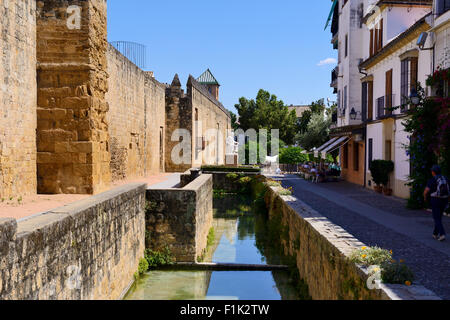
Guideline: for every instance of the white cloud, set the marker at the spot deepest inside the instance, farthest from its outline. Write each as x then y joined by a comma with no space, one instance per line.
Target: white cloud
327,61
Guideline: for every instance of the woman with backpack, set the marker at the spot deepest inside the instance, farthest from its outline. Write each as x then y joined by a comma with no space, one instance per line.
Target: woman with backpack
439,191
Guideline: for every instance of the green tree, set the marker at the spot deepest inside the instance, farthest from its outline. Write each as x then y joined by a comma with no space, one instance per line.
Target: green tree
293,155
260,147
317,132
331,110
317,107
267,112
428,125
234,122
303,121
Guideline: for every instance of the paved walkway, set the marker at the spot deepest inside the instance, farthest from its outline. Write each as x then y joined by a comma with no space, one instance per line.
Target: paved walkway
29,206
171,181
382,221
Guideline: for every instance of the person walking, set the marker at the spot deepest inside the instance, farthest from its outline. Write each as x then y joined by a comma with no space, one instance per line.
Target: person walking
439,191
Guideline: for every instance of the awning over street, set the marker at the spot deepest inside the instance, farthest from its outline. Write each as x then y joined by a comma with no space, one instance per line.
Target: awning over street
331,13
330,146
335,145
326,144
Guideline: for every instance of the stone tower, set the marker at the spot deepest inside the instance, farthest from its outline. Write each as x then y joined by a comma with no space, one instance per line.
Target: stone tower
209,81
72,131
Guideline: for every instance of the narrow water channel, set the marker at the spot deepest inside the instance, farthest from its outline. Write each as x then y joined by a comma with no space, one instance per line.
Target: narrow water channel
239,238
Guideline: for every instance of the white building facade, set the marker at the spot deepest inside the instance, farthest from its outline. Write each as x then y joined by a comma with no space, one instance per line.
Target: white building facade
380,66
393,67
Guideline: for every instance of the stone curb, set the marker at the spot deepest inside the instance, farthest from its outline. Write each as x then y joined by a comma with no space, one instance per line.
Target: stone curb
346,243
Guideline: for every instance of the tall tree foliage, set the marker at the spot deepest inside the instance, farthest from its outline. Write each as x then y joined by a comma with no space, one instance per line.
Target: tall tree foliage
267,112
234,122
317,132
314,125
317,107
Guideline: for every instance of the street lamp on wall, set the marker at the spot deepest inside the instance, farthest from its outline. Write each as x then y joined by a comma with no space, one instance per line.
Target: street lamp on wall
353,114
414,97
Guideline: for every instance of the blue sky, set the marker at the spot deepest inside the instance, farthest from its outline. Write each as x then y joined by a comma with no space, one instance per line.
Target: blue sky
247,44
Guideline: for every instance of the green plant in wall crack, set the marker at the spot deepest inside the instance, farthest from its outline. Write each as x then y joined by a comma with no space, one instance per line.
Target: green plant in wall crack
211,237
232,176
142,268
245,184
150,206
381,260
285,192
160,258
209,242
273,183
369,256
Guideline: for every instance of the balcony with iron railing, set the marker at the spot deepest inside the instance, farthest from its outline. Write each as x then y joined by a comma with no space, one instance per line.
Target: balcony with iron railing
385,105
334,77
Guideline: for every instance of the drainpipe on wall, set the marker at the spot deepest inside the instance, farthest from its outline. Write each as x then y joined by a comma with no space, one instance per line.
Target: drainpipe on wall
365,157
365,140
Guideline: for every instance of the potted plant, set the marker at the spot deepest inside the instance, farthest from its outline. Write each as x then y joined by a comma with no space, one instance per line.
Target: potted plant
387,167
380,170
375,170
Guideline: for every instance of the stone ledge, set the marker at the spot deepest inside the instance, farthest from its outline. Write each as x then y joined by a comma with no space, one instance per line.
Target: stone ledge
8,229
126,191
345,243
199,182
102,236
65,66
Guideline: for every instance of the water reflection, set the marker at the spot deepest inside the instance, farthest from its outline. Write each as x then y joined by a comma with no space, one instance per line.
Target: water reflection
240,238
234,224
171,285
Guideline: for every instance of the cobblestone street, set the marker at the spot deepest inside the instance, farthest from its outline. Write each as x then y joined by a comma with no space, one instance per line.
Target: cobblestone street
382,221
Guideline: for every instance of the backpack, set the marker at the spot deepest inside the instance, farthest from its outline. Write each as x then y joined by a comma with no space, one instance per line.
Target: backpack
443,189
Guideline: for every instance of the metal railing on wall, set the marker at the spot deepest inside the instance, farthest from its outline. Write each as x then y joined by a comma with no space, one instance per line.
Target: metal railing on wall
385,105
135,52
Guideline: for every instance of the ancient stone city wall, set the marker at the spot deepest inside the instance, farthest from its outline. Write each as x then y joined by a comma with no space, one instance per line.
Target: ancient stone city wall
197,111
17,98
85,251
72,130
212,115
77,115
136,119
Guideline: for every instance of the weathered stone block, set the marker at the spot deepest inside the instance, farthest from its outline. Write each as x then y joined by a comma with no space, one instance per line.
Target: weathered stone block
180,219
17,97
84,239
72,82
